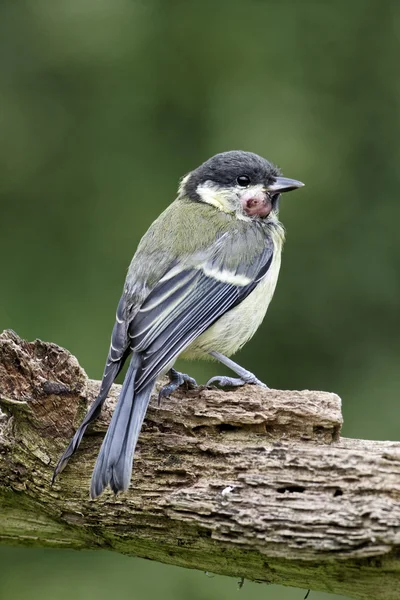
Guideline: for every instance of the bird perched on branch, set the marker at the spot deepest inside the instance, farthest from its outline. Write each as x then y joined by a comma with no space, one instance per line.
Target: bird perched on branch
198,286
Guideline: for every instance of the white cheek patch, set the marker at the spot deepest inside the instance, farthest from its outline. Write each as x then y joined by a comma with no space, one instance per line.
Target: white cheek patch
225,200
211,194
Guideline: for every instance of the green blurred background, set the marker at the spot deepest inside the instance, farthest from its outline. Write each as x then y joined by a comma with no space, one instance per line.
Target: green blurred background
104,104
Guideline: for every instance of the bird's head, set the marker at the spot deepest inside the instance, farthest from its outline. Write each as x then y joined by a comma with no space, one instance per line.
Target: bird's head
238,182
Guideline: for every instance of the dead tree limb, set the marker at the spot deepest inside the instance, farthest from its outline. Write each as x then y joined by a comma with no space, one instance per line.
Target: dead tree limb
249,483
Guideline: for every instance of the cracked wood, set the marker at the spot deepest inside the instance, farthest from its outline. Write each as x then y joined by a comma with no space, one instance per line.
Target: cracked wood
254,483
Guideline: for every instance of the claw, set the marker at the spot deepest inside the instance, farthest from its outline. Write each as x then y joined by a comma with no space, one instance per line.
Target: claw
176,380
233,382
222,381
245,376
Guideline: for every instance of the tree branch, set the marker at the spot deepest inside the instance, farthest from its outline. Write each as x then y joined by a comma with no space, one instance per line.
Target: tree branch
249,483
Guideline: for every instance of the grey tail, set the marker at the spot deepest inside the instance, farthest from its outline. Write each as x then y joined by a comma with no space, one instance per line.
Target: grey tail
114,462
110,373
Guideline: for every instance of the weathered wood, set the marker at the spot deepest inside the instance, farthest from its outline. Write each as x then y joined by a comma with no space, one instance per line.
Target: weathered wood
253,483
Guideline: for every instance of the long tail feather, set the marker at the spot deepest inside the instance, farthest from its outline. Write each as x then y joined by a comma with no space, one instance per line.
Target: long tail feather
110,374
114,462
117,355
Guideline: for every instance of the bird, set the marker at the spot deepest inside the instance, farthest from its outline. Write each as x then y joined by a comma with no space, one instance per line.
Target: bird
198,287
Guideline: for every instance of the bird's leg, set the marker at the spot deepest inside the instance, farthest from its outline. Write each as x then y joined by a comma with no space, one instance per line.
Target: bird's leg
244,375
176,379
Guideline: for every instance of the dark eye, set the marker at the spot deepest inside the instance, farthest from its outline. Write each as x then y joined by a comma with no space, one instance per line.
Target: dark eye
243,180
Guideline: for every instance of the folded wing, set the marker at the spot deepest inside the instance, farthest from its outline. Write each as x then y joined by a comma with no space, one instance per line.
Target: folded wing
185,303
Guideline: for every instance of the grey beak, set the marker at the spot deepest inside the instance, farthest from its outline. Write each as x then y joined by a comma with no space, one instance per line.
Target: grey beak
284,184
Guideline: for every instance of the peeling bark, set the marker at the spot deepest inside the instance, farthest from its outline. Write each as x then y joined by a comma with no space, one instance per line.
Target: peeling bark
253,483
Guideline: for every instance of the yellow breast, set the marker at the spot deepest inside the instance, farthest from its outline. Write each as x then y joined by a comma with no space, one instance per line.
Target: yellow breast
238,325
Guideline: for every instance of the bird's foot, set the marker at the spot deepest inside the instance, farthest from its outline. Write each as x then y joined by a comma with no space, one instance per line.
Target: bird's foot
176,380
245,376
233,382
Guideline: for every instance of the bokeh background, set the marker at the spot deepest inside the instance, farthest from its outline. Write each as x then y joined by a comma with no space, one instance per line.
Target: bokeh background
104,104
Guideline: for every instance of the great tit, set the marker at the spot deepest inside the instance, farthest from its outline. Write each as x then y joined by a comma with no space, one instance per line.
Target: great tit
198,286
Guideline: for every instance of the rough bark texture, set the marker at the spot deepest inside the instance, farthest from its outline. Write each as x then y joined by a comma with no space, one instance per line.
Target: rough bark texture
249,483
